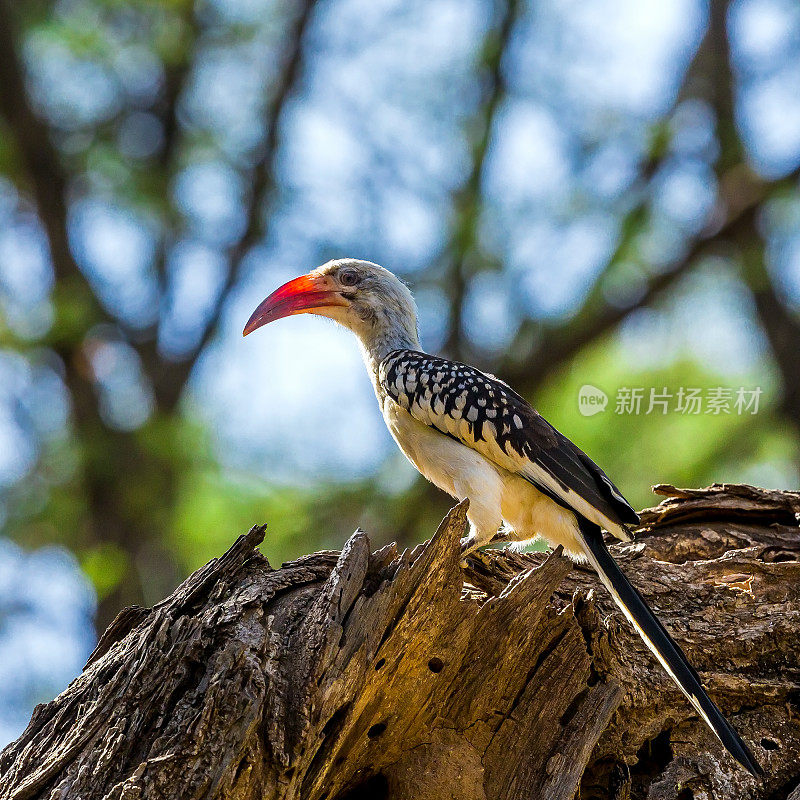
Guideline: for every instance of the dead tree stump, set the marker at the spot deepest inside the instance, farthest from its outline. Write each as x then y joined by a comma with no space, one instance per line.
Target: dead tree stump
382,675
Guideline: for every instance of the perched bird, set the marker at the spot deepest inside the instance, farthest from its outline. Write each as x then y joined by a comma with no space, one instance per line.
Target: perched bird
474,437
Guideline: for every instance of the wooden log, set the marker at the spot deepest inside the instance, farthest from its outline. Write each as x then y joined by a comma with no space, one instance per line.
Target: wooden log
382,674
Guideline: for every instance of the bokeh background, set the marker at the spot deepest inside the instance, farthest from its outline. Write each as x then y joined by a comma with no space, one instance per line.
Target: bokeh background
597,192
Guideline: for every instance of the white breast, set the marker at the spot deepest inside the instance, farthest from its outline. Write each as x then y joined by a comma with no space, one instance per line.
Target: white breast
450,465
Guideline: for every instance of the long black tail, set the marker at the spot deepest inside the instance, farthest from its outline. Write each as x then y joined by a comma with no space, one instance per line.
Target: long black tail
662,645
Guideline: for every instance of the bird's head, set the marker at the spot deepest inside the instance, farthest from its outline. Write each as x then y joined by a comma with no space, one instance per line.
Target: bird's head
364,297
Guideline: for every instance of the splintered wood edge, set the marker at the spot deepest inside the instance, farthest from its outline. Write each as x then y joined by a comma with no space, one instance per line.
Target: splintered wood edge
720,501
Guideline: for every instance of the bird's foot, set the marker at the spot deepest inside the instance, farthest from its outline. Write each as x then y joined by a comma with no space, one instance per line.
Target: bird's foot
468,544
471,543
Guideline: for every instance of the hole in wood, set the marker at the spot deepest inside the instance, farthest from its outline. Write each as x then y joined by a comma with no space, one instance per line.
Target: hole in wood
336,721
240,770
376,730
380,663
436,665
375,787
769,744
652,759
572,708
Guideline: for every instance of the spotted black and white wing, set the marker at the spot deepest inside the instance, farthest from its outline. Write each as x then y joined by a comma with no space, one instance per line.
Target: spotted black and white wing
487,415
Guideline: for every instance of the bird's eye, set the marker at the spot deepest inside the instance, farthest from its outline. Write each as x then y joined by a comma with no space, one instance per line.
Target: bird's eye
348,277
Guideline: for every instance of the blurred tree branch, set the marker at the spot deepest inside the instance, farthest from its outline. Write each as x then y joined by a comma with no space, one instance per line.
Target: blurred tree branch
462,257
262,185
177,71
102,447
557,345
107,454
46,179
781,325
539,351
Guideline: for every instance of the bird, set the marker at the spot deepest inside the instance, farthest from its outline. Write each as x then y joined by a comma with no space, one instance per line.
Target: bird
474,437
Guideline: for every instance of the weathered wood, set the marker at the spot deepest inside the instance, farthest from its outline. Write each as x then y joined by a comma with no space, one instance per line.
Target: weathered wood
407,675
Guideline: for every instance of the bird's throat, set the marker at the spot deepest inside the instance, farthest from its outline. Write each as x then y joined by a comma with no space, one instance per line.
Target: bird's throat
376,343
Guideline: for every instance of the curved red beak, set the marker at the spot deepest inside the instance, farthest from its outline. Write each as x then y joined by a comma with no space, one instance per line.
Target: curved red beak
307,294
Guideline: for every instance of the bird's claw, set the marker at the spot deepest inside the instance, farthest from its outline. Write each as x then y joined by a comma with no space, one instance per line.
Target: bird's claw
468,544
471,543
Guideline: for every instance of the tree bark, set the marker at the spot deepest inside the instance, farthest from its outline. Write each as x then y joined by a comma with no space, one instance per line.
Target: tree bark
407,675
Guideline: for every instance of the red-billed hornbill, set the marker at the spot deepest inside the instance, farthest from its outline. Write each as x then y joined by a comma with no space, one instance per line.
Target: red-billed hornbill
474,437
